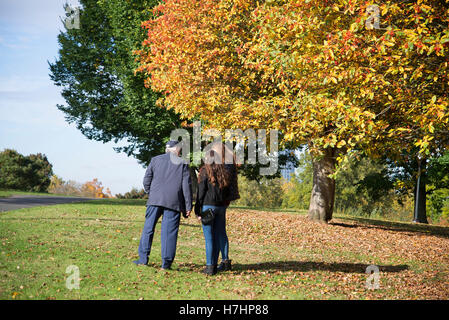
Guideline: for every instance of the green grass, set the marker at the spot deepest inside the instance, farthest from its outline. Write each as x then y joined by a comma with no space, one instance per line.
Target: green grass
9,193
276,255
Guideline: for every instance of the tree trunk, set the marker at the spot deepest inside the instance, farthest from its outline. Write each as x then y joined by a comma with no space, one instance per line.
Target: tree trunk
194,179
323,191
420,214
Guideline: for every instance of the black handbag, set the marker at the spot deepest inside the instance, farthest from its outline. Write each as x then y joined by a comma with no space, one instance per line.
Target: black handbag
207,216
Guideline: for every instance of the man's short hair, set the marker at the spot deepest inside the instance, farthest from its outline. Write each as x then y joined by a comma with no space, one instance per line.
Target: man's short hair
173,146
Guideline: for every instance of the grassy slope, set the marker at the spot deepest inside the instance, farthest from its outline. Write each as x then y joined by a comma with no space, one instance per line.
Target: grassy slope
10,193
276,255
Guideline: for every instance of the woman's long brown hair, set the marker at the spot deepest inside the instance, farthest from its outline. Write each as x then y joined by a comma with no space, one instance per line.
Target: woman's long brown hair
216,172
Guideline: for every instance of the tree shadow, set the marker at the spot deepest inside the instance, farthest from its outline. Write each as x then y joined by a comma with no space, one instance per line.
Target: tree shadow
306,266
395,226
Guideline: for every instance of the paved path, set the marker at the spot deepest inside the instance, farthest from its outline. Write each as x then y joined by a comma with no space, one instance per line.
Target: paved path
19,202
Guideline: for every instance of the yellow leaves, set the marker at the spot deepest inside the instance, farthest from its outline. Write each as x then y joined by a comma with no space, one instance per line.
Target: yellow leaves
434,99
291,53
341,143
331,53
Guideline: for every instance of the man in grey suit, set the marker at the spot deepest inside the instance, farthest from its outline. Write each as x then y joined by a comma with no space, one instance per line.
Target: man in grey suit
168,183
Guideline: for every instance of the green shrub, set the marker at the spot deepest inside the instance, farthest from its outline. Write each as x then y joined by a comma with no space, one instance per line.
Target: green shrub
26,173
266,193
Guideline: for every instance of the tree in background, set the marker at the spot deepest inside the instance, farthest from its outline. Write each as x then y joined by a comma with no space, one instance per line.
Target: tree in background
95,69
92,189
263,192
133,194
59,186
363,188
309,69
297,190
438,188
25,173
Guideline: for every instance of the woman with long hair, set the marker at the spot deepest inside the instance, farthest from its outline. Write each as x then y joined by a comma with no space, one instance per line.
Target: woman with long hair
217,187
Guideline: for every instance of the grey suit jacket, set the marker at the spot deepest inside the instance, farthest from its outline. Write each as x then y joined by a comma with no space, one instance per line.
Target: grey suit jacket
168,183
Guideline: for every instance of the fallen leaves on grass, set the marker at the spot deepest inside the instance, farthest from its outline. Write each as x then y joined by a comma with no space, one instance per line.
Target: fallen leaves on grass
413,265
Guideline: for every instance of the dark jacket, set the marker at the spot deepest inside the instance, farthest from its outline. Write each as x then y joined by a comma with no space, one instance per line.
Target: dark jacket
168,183
208,194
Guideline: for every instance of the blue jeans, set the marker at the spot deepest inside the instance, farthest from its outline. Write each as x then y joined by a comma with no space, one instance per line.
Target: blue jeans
169,234
215,236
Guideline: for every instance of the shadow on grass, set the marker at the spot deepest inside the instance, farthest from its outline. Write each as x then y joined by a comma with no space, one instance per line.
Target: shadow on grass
298,211
394,226
305,266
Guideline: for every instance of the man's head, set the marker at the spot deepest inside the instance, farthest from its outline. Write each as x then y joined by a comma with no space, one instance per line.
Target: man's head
173,147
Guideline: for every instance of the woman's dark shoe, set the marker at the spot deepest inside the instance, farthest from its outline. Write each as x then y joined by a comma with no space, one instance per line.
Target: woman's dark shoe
225,265
210,270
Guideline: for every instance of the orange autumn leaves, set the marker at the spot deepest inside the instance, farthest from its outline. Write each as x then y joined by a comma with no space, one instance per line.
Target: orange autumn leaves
307,68
95,189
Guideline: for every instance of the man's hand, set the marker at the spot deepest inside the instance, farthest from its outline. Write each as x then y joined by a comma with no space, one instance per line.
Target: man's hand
188,213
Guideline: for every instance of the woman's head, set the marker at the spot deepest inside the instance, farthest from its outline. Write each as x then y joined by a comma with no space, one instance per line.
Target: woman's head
216,170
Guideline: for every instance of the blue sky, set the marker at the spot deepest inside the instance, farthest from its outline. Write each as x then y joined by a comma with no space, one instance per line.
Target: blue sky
29,119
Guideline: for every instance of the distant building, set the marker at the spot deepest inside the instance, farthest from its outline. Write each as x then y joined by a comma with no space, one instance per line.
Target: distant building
286,173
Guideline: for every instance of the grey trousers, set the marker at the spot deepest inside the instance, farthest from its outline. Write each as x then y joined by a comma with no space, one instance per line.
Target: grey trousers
169,234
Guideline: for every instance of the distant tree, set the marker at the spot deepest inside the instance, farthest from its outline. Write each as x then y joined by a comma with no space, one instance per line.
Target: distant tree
262,193
405,174
40,172
363,187
59,186
27,173
297,190
438,188
94,189
133,194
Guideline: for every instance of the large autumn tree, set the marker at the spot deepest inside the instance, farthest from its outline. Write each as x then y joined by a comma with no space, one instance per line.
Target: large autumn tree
413,55
104,97
310,69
